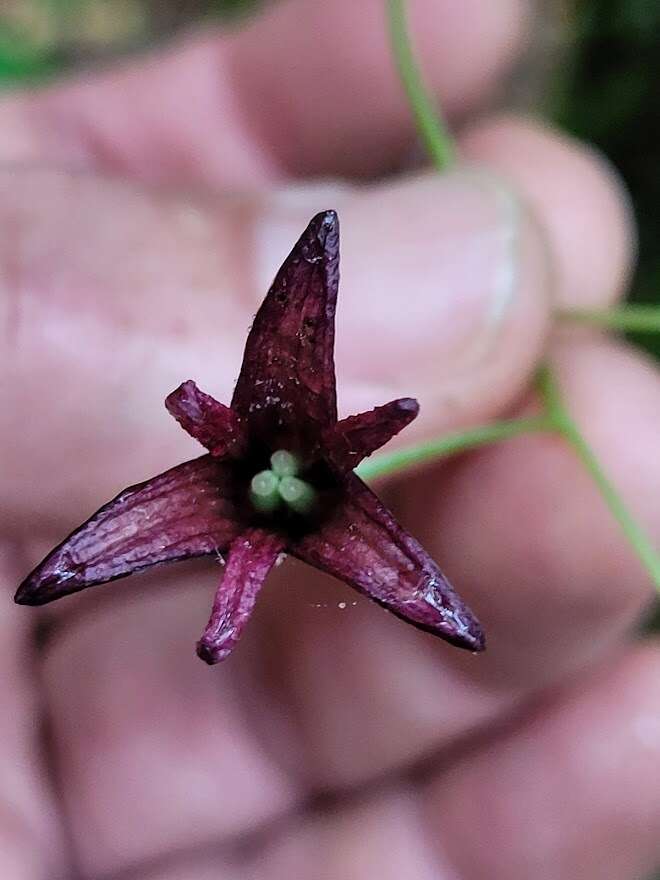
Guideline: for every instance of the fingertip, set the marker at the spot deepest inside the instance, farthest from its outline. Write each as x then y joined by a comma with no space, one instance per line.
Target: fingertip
579,200
337,105
570,791
460,274
466,48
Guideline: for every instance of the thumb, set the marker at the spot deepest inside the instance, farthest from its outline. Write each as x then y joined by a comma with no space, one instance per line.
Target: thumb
112,296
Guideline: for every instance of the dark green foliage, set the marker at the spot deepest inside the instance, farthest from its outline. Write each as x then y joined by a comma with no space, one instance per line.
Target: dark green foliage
22,60
232,7
611,97
41,38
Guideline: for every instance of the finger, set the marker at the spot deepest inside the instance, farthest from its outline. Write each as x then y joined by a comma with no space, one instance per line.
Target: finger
32,844
156,753
165,764
112,297
571,794
353,840
307,88
379,836
579,198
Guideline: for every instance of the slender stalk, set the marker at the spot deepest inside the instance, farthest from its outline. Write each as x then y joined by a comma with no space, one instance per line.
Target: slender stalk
561,420
401,459
631,528
632,318
430,125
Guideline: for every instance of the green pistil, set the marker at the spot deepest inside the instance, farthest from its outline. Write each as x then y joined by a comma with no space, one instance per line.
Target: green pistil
269,488
298,494
284,464
264,491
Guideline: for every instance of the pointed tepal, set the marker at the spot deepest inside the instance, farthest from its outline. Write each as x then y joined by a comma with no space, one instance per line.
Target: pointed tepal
288,373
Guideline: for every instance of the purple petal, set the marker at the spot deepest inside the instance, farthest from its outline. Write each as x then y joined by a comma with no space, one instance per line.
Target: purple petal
251,557
364,546
215,425
186,511
287,381
349,441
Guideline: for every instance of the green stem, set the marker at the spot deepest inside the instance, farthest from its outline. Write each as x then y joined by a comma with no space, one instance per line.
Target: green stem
564,424
401,459
430,125
629,318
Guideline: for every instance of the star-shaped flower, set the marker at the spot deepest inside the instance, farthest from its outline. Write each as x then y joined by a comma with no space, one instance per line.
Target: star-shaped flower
278,478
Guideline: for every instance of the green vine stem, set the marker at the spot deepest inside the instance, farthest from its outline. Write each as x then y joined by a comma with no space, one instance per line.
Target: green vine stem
561,421
629,318
461,441
430,124
555,416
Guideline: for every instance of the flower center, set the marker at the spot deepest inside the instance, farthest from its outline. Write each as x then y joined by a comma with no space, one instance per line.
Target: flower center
280,485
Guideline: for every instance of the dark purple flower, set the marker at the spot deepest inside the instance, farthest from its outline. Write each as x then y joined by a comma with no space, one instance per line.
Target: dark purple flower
278,478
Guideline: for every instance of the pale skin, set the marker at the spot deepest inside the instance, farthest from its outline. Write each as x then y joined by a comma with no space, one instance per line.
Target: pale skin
143,214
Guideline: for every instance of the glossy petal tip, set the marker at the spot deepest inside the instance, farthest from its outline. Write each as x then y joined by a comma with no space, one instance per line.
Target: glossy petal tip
43,589
324,223
408,405
211,654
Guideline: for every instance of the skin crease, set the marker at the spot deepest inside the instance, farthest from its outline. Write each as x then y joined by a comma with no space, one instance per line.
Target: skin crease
539,758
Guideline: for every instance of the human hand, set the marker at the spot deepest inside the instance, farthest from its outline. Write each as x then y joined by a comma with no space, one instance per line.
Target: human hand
144,213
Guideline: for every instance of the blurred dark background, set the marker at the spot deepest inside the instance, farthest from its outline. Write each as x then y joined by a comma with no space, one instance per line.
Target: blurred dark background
593,68
609,93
